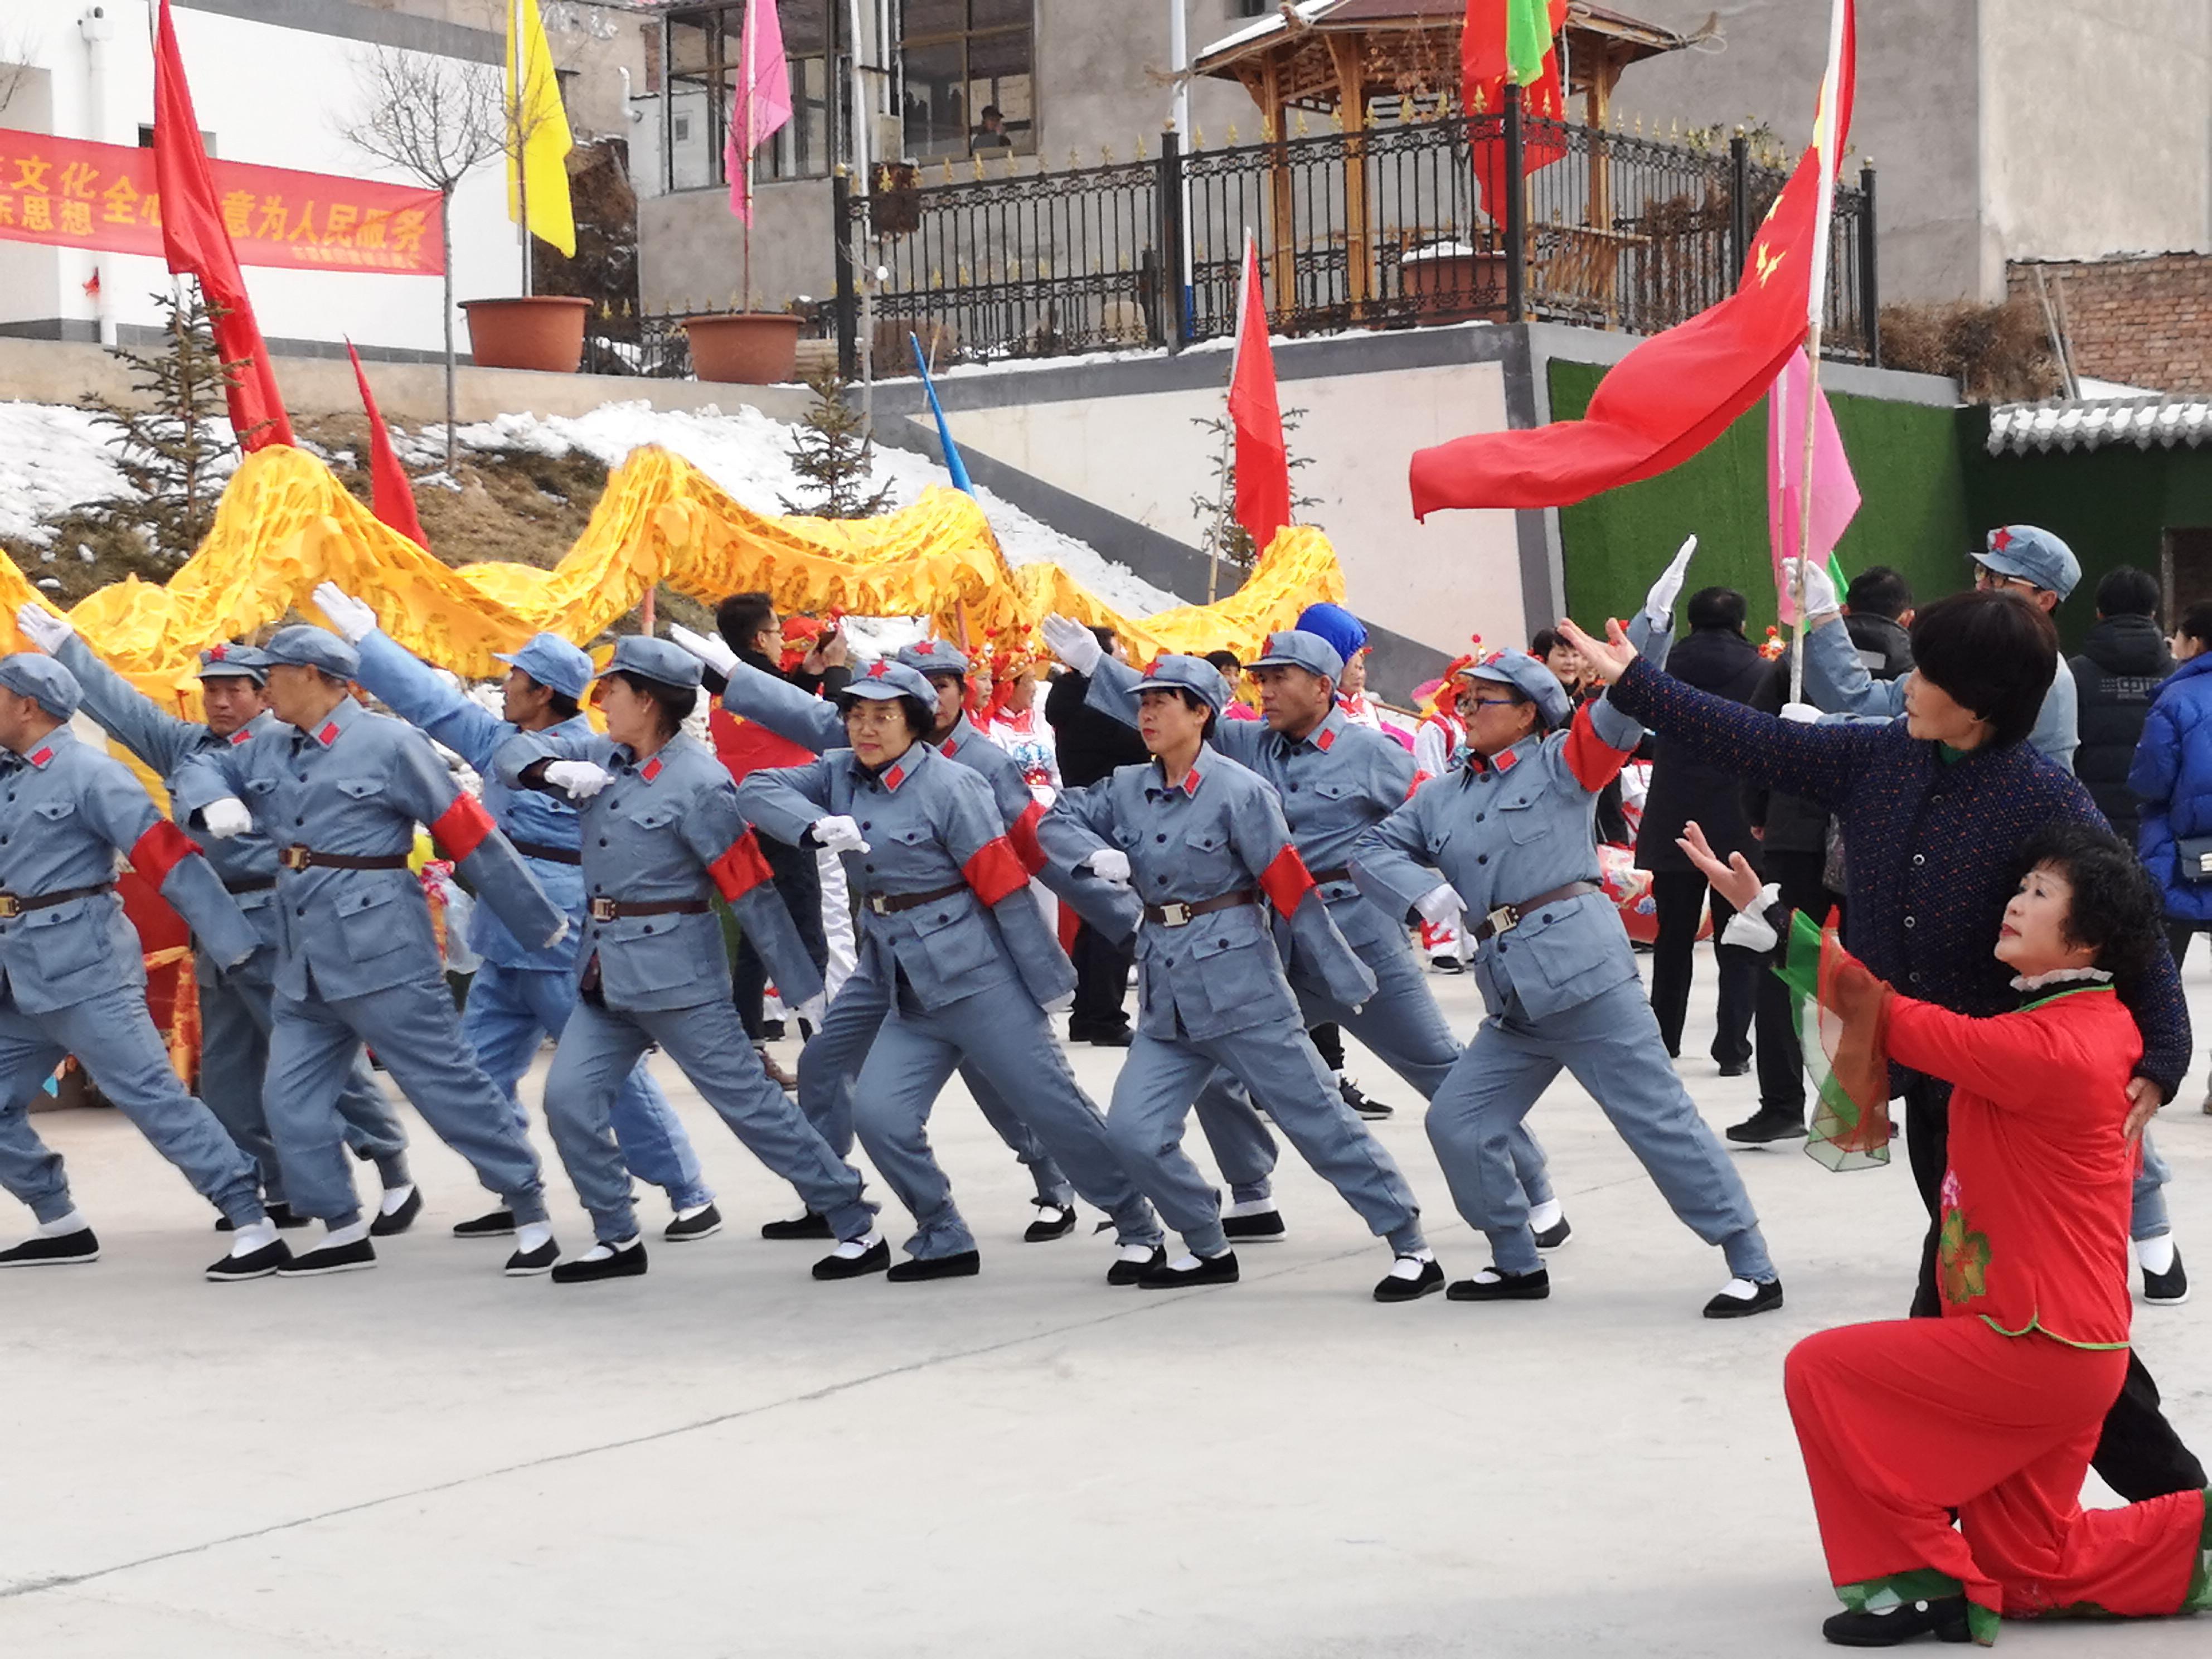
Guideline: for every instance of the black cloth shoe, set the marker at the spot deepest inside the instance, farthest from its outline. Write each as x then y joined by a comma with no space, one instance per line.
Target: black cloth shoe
1253,1228
2169,1289
628,1261
1130,1273
964,1265
1944,1620
1767,1295
1119,1037
1492,1286
685,1229
1053,1221
391,1226
1735,1067
1447,965
833,1265
809,1225
1555,1235
283,1215
69,1249
261,1264
1391,1288
499,1224
1769,1123
1369,1109
330,1259
1210,1270
529,1264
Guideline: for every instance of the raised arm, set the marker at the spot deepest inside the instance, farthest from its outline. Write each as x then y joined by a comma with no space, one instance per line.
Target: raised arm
714,827
124,814
1837,681
412,690
2020,1062
160,739
794,715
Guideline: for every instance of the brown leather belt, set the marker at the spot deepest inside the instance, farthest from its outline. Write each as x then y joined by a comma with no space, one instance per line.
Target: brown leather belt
890,904
1181,915
607,909
250,884
531,849
296,857
13,905
1506,917
1322,877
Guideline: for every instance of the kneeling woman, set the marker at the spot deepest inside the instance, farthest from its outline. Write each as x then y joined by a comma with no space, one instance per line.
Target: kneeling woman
949,930
661,830
1993,1410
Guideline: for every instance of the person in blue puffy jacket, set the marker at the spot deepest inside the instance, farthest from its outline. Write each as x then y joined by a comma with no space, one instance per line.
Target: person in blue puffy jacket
2173,776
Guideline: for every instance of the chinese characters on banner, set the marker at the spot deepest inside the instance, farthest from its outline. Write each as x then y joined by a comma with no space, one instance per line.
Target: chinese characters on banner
70,192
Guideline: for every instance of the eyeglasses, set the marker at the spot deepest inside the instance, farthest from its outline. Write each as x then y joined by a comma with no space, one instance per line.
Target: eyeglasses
1986,579
1489,703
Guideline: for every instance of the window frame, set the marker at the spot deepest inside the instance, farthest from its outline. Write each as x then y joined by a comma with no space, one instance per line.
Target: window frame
964,37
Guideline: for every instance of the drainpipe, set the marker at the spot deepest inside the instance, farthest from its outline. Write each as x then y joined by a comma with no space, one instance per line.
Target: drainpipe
97,27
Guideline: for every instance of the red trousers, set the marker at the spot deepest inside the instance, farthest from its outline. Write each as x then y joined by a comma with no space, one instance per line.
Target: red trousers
1903,1421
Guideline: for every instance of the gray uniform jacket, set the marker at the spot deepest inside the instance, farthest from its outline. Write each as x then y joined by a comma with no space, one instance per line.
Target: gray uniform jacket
357,786
667,831
66,809
1217,832
932,827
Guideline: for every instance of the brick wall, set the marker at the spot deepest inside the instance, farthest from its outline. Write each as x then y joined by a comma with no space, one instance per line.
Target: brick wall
2145,321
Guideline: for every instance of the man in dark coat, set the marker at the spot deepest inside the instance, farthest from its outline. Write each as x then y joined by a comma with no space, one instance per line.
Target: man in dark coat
2121,664
1090,745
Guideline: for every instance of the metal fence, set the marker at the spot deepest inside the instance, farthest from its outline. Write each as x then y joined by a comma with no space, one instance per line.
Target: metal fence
1390,227
632,343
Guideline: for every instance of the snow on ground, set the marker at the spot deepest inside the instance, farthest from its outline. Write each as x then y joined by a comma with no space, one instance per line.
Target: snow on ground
53,458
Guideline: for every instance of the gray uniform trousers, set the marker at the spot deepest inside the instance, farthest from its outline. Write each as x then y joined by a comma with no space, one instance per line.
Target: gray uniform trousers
114,1040
1610,1044
1007,1038
599,1047
417,1033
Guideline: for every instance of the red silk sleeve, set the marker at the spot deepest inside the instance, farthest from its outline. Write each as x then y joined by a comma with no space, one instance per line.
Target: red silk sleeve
462,827
1024,836
995,871
741,868
161,850
1594,761
1286,881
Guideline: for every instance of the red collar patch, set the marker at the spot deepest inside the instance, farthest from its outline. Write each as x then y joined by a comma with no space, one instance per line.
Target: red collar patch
243,734
1190,781
40,756
895,776
651,770
1507,760
328,735
1324,739
951,748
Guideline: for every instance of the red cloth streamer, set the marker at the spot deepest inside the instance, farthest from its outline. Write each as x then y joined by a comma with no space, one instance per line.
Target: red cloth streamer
1263,463
741,868
391,497
1286,881
1024,836
462,827
161,850
995,871
198,243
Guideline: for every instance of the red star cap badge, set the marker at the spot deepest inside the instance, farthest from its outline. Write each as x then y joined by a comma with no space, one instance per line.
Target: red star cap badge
2000,540
218,652
877,670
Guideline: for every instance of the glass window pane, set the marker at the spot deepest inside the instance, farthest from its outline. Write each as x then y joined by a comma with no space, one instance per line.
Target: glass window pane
806,26
687,47
992,54
999,14
936,101
926,19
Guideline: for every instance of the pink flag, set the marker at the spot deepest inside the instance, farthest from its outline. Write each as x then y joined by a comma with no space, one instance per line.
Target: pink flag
1835,492
762,99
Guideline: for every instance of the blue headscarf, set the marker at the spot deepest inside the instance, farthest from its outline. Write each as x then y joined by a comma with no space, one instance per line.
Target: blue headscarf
1337,625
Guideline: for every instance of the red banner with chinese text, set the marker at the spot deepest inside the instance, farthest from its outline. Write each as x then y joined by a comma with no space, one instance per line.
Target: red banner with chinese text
71,193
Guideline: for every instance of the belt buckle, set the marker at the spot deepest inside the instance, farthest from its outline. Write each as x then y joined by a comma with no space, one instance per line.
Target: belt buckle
1174,916
877,905
1504,920
603,909
295,857
10,907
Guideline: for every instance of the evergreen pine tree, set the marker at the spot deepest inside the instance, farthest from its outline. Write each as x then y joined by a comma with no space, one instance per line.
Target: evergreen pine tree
834,453
1226,539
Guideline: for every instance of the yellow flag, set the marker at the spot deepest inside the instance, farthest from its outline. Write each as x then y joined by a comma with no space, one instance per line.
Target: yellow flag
536,118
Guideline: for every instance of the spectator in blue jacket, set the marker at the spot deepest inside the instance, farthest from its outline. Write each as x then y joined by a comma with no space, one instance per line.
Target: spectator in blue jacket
2172,777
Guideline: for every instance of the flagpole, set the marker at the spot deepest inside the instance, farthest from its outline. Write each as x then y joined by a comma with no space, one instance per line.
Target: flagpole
1244,297
1826,136
517,114
752,23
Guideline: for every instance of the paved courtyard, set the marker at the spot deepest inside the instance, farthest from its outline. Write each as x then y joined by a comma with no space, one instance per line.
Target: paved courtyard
728,1459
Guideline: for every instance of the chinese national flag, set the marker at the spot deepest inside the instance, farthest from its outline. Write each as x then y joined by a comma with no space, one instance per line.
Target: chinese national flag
1263,463
1677,391
1484,71
197,244
392,498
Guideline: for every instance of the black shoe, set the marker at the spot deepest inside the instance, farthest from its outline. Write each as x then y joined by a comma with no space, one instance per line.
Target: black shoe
685,1229
1053,1221
1735,1067
2169,1289
914,1269
1369,1109
1555,1235
1447,965
771,1031
499,1224
529,1264
391,1226
1492,1286
1255,1229
1132,1272
1944,1620
330,1259
809,1225
875,1260
283,1215
1210,1270
628,1261
1391,1288
1119,1037
1768,1294
69,1249
261,1264
1769,1123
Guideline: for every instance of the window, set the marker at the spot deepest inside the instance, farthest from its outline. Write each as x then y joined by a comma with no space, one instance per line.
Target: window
706,66
967,72
1249,7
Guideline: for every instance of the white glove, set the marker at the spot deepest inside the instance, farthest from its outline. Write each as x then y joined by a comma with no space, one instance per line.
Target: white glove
838,834
1441,906
354,621
42,628
580,780
1072,643
1109,866
713,651
1800,713
1659,602
226,818
1819,588
559,934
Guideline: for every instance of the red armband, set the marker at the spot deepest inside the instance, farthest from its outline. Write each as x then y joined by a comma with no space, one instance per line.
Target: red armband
462,827
1420,778
1594,761
740,869
995,871
161,850
1286,881
1024,836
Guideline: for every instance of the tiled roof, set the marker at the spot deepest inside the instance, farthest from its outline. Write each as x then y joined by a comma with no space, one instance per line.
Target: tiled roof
2154,421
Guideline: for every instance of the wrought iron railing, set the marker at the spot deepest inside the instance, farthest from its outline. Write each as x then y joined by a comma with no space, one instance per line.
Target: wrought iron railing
633,342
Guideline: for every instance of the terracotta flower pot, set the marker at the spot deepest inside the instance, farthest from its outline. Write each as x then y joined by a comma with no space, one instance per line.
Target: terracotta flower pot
539,331
747,348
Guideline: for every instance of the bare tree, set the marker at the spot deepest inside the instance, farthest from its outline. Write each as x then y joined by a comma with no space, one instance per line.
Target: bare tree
437,120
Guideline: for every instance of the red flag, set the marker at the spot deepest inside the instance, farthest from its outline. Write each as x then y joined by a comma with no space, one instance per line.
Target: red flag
197,242
1675,392
391,497
1483,75
1263,462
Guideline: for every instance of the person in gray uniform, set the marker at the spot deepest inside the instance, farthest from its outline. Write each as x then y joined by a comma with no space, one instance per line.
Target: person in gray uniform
660,832
1203,842
963,955
341,790
1334,778
234,1011
73,978
520,996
